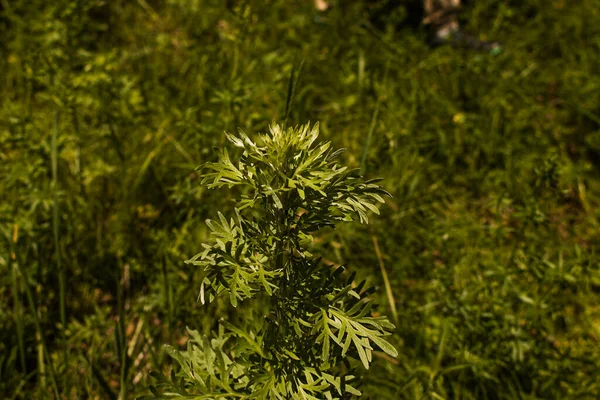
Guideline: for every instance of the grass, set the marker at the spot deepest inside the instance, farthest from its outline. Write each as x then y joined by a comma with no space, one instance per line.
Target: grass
490,243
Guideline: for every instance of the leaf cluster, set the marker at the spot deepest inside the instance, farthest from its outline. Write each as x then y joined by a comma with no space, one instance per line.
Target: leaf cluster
314,317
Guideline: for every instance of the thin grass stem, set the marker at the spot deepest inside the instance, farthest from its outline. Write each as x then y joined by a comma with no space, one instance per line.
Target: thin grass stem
43,347
55,231
386,280
17,308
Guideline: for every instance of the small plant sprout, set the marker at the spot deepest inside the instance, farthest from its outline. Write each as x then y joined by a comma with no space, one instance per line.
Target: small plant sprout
307,317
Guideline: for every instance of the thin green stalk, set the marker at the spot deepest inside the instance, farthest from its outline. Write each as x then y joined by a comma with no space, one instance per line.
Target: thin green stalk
55,230
38,326
120,337
386,280
361,72
41,362
18,318
168,293
363,158
18,311
77,128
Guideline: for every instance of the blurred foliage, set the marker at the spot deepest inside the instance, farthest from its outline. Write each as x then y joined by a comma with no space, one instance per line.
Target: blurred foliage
488,252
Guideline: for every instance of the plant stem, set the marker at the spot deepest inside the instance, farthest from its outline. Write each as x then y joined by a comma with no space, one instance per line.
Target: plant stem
42,345
55,229
121,341
17,301
386,280
363,158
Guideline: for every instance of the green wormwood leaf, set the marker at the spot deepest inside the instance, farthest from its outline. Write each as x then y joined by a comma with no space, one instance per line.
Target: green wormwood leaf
306,318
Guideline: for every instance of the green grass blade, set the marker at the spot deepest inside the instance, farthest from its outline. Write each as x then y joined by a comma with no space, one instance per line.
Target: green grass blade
38,325
55,231
17,308
365,152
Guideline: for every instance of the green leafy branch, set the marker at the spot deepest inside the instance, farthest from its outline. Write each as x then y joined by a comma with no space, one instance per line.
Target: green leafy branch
310,319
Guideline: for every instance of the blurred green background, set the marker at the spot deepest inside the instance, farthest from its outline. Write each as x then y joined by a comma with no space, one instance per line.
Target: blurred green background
491,243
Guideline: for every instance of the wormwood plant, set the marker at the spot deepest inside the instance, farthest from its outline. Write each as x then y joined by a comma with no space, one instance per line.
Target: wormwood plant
311,317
